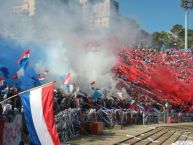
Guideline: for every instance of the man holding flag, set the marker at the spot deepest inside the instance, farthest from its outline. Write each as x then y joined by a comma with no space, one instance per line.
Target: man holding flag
68,88
37,105
95,92
26,74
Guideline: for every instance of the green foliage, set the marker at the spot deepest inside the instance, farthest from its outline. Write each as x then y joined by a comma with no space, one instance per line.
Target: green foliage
173,38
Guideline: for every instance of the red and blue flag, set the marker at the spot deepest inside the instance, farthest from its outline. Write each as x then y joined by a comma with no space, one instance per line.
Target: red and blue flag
1,81
66,79
39,115
24,58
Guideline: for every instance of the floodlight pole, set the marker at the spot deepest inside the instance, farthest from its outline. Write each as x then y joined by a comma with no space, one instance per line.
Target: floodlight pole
186,4
186,29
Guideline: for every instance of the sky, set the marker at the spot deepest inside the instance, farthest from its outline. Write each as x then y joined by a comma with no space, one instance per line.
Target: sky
155,15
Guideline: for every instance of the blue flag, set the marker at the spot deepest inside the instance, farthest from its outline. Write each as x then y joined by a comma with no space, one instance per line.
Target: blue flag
4,70
29,78
96,94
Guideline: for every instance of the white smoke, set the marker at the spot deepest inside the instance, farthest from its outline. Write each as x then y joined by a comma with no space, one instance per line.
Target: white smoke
58,31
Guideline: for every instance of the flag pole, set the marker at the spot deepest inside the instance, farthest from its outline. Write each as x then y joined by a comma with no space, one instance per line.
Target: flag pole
27,91
143,90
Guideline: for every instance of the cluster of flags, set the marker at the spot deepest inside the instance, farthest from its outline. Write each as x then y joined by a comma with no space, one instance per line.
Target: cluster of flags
25,72
26,75
37,102
38,105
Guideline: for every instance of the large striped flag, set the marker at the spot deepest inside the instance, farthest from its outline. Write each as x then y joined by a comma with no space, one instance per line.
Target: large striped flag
39,115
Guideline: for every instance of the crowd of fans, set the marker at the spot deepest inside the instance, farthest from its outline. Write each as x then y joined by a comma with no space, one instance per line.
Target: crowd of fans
134,72
164,76
9,107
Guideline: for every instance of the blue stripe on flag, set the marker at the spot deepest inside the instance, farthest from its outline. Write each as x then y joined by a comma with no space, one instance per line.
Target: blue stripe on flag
24,62
27,112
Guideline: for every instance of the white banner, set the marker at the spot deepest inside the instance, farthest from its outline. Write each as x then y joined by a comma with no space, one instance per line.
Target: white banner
12,131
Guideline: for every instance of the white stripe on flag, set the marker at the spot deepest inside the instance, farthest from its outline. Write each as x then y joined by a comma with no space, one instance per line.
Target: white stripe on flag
38,118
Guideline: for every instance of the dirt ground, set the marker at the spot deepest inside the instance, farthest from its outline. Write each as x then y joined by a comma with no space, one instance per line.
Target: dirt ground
112,136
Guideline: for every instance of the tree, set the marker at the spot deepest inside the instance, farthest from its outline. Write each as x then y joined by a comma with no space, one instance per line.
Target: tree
175,36
177,29
190,38
163,38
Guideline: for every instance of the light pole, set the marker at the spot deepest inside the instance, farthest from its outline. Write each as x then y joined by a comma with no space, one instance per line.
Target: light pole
186,4
186,29
164,109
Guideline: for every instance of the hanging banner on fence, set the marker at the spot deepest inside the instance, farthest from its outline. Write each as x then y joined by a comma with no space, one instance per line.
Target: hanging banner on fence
12,131
1,132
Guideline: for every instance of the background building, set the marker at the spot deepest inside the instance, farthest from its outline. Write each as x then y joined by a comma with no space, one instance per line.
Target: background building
27,6
95,13
99,13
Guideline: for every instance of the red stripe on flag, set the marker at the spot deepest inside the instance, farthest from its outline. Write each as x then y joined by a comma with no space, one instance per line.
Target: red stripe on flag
41,78
24,55
66,79
48,106
45,71
1,79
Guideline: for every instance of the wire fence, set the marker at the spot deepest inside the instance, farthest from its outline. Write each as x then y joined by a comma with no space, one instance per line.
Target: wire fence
73,122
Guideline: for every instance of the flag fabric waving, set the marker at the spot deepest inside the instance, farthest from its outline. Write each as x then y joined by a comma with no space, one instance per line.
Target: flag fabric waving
4,70
66,79
45,72
24,58
18,74
42,76
1,81
141,107
95,93
39,115
29,79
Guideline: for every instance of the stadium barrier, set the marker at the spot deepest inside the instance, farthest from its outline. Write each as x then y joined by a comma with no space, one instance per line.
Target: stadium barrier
10,132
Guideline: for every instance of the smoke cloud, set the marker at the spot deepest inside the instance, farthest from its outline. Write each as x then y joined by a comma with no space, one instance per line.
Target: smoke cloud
59,40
